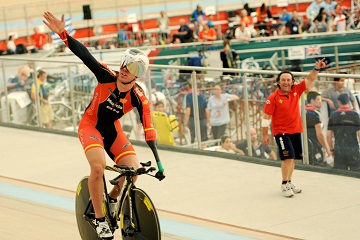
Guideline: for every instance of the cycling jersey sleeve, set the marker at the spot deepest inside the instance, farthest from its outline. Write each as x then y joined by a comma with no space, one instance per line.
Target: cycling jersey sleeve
83,53
142,104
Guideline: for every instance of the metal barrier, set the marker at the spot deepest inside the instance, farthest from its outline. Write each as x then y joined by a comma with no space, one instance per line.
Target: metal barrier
249,85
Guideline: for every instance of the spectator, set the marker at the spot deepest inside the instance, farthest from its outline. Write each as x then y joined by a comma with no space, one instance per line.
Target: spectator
242,34
210,21
314,8
124,36
248,21
258,149
11,46
316,138
38,39
46,111
283,107
330,6
339,23
284,18
21,82
219,111
204,116
344,125
207,34
320,24
174,124
228,57
294,25
184,34
228,146
263,16
332,93
198,18
164,30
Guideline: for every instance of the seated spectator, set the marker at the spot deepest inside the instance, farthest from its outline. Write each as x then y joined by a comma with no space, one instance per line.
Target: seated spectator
124,36
198,18
38,39
210,21
228,146
285,17
320,24
242,34
11,46
258,149
294,25
263,16
339,23
207,34
248,21
184,34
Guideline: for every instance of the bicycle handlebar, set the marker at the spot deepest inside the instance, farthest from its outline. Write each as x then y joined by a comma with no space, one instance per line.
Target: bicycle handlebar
130,171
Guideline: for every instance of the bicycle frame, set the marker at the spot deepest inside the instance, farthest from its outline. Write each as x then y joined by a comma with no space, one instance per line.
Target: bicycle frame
134,211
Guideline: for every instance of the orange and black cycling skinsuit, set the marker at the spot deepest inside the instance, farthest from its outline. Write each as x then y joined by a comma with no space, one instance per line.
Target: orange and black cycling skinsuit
100,125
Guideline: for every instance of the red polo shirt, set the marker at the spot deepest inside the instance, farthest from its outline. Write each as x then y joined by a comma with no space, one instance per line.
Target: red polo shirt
285,110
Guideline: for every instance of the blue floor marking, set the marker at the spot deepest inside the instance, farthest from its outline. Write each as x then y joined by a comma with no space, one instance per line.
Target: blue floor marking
167,226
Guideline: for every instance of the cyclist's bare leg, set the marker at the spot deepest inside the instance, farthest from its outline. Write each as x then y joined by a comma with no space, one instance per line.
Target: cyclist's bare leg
97,161
131,161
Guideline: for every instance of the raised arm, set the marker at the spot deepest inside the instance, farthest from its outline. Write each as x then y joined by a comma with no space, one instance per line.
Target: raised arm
314,73
58,26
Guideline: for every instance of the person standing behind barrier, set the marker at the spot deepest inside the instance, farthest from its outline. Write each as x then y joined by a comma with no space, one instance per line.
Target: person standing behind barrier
163,24
204,115
46,111
344,125
38,39
219,111
282,106
229,57
331,94
316,138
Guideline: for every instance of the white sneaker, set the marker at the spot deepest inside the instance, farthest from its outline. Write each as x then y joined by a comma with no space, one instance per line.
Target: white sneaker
103,230
286,190
112,206
295,189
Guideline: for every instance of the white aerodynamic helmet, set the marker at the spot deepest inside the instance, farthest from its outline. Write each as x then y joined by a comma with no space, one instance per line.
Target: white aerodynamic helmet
136,62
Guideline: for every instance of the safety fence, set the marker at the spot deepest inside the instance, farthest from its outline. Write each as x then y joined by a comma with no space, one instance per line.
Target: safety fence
71,85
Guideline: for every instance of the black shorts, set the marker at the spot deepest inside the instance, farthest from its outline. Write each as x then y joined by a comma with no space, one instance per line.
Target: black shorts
290,146
346,158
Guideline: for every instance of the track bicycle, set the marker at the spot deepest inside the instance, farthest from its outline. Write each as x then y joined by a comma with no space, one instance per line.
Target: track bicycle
135,212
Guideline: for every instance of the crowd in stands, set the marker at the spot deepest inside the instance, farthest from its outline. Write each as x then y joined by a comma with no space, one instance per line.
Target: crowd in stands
245,23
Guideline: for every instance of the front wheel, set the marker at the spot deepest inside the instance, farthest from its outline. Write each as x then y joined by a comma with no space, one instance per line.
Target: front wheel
84,212
145,223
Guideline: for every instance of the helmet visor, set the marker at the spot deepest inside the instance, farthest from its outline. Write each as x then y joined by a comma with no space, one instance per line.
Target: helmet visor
136,68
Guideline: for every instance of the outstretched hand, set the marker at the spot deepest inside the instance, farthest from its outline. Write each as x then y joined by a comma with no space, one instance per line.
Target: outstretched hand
320,64
55,25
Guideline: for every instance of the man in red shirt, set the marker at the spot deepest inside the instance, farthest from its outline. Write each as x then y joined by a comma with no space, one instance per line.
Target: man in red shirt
38,39
207,34
283,107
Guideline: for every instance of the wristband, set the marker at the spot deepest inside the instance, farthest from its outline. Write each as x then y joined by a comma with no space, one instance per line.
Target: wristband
317,69
265,122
